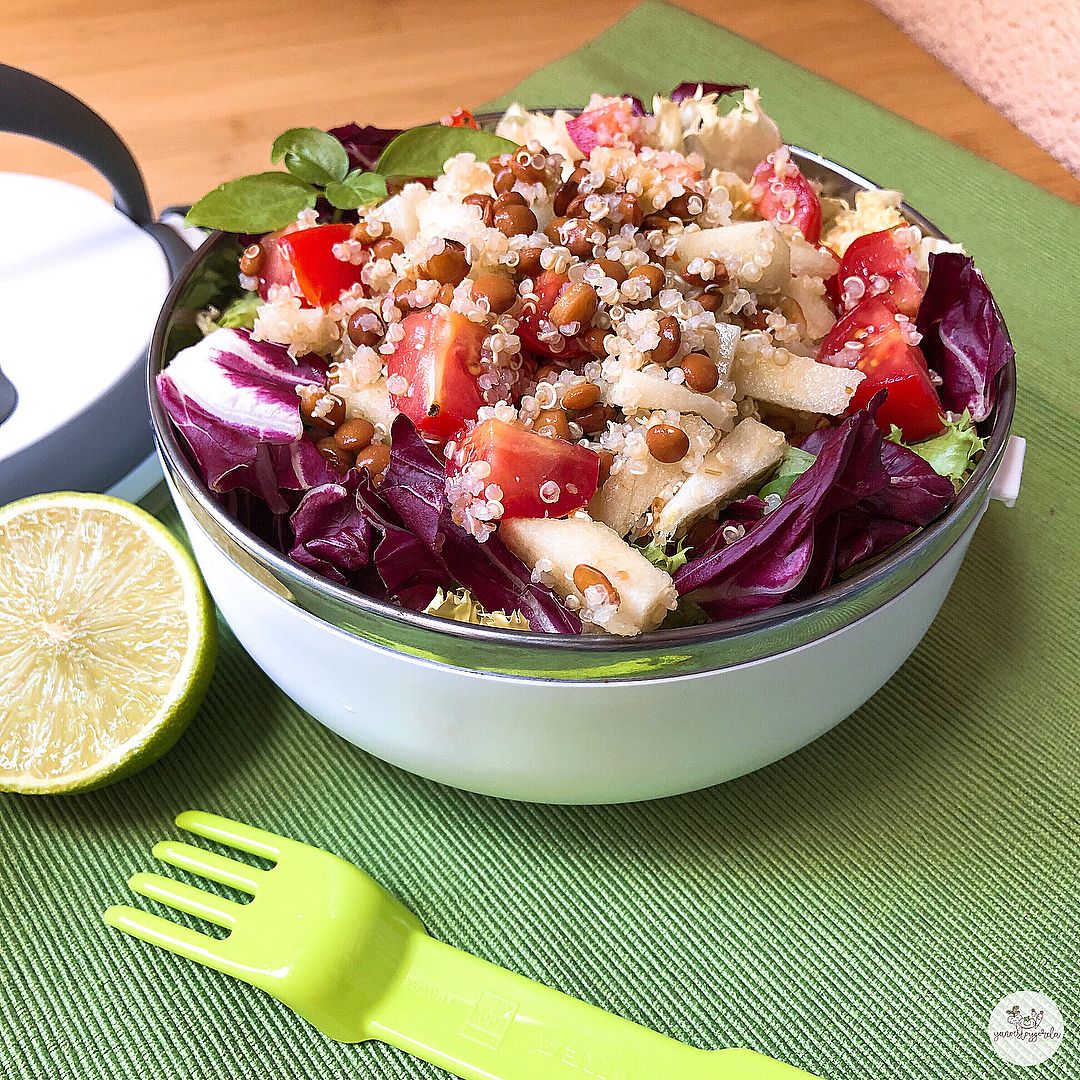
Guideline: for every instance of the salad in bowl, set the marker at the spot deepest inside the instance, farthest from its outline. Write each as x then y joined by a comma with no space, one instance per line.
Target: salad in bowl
603,372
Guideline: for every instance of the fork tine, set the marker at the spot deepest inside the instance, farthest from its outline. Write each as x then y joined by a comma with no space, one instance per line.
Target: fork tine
232,833
183,897
171,936
209,865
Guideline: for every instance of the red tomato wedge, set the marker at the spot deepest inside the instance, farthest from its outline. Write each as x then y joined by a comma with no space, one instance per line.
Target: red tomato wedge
606,125
321,277
547,288
784,196
539,476
303,261
276,268
871,339
884,264
433,369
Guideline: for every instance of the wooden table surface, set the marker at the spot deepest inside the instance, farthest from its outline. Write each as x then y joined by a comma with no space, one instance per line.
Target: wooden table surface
199,88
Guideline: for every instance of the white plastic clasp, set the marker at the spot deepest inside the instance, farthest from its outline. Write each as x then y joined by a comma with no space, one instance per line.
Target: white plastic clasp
1005,486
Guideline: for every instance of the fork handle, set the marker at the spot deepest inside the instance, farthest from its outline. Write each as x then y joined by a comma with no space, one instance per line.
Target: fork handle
480,1022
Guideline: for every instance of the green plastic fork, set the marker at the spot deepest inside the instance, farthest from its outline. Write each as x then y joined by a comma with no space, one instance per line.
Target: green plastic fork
330,943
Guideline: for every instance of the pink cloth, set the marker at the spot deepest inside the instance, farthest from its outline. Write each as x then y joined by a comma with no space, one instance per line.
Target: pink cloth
1021,55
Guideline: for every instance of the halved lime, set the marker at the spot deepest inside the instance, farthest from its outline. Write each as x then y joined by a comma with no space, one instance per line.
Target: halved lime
107,641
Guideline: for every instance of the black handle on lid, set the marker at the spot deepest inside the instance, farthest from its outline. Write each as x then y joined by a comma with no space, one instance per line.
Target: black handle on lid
30,105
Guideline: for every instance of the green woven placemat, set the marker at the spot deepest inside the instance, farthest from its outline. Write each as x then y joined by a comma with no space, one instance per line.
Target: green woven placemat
856,909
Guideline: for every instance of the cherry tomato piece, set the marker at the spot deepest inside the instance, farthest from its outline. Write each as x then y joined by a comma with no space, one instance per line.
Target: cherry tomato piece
320,275
547,288
884,264
539,476
432,372
873,339
607,125
460,118
784,196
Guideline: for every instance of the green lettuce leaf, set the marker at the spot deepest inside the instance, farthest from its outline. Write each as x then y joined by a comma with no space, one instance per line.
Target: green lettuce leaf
950,454
462,606
658,555
793,464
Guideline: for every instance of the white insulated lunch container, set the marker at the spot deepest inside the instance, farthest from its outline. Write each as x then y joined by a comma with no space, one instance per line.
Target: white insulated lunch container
572,719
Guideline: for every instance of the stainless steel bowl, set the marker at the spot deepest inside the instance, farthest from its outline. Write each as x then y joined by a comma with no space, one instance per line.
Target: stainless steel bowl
661,654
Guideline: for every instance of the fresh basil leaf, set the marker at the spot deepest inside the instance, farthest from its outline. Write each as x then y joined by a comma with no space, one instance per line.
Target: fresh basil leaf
793,464
311,155
358,189
422,151
253,204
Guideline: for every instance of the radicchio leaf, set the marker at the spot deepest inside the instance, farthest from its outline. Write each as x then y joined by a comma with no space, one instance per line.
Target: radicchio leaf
857,498
364,144
254,515
964,337
333,537
415,487
234,401
689,89
913,496
410,569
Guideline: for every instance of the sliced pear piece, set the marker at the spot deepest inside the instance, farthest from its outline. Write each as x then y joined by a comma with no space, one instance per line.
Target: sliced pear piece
644,593
626,495
651,389
755,254
740,462
795,382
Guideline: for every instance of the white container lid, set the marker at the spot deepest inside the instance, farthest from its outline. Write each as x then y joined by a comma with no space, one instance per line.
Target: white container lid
80,290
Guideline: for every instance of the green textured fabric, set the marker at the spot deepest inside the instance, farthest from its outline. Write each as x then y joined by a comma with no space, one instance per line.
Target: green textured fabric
856,909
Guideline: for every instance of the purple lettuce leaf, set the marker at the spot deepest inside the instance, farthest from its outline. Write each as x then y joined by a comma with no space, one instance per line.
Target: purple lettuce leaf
913,495
234,402
364,144
409,569
964,337
254,515
299,465
689,89
333,536
859,497
415,487
343,531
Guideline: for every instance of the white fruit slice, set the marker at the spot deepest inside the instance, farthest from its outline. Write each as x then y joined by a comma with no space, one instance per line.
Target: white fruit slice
727,341
809,294
754,253
797,382
372,402
808,260
645,592
740,462
626,495
651,389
